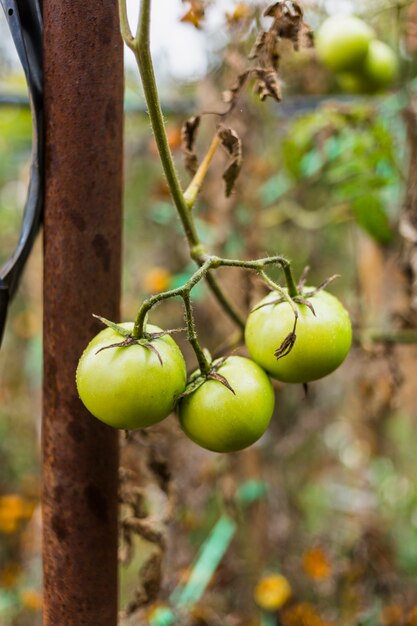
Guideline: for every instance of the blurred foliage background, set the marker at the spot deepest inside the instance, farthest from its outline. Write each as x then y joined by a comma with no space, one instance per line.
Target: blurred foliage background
327,531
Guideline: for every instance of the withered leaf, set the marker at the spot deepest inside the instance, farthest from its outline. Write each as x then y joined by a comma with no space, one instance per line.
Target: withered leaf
231,95
288,17
232,143
268,84
286,346
188,138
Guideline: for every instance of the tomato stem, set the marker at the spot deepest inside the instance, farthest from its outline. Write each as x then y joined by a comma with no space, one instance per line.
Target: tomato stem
140,45
141,49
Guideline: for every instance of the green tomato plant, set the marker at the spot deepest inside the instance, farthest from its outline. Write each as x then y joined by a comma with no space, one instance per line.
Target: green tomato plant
132,375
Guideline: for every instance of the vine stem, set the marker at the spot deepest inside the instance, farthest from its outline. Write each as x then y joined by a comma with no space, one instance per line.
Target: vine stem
210,263
193,189
140,45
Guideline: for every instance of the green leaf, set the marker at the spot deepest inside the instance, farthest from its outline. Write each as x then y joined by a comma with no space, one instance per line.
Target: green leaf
369,213
275,188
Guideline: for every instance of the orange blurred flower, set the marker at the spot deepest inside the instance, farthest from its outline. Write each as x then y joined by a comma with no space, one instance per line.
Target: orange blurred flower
195,13
156,280
316,564
9,575
392,615
31,599
272,592
13,509
412,617
302,614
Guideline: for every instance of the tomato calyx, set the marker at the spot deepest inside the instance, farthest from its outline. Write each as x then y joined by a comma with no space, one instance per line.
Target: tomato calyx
302,298
130,340
197,379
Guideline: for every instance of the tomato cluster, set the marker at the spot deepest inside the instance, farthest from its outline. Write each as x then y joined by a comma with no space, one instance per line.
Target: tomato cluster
348,47
135,384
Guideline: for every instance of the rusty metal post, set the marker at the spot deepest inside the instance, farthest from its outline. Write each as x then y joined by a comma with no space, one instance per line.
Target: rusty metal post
83,71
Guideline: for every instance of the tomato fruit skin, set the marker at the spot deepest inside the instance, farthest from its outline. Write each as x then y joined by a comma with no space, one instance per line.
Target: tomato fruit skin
128,387
342,42
322,340
216,419
381,65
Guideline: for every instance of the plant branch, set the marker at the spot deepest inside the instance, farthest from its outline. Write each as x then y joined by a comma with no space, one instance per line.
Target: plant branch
192,335
124,26
141,49
193,189
142,53
213,263
281,291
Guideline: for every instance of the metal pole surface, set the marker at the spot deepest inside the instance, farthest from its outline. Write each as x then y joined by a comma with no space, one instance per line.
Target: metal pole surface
83,71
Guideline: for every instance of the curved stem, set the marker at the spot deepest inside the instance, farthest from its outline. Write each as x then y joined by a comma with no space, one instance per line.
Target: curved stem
140,45
210,263
139,327
281,291
192,335
145,65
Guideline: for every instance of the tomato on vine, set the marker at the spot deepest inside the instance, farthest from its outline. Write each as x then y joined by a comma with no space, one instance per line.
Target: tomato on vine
132,386
221,419
322,338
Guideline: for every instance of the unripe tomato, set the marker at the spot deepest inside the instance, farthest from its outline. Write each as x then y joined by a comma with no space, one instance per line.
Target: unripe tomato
381,65
354,82
322,340
218,420
127,387
342,42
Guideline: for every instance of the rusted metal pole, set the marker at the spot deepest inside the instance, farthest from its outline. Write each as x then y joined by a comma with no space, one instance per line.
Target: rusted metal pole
83,124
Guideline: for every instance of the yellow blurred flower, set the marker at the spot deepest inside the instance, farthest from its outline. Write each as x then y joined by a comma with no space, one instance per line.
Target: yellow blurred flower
272,592
157,280
316,564
242,11
13,509
31,599
26,324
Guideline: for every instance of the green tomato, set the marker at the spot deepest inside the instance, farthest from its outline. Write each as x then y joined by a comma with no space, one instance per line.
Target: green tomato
381,65
218,420
342,42
351,82
322,340
128,387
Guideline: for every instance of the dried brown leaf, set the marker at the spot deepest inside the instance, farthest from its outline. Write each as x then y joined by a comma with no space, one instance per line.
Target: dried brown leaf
232,143
188,138
268,84
231,95
286,346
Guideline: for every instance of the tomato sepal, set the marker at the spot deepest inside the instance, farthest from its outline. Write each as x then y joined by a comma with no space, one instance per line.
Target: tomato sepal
197,379
145,341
